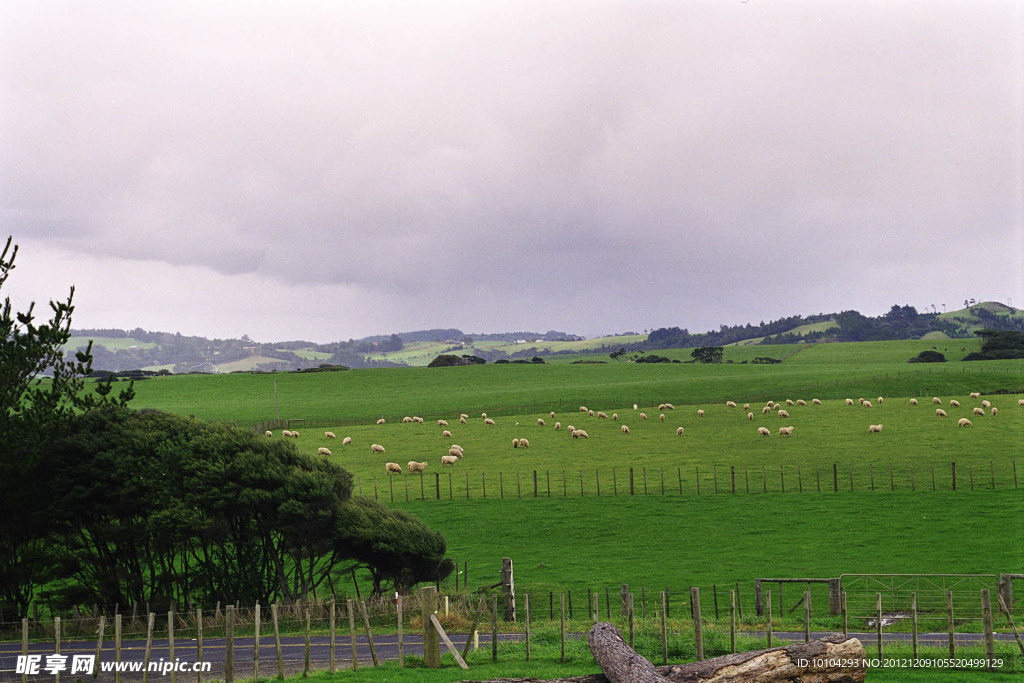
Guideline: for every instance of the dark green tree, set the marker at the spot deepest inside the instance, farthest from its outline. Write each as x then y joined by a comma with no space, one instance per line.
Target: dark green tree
40,390
708,354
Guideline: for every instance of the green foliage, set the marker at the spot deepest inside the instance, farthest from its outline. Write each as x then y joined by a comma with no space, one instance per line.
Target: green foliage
999,345
928,356
708,354
446,360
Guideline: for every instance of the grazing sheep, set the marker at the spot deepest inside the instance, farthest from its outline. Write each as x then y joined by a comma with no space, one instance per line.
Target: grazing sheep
329,435
416,466
975,394
913,401
456,447
540,422
700,413
455,453
979,411
770,404
602,415
662,417
377,448
939,412
625,429
417,419
515,443
323,451
849,401
392,467
937,401
635,407
801,402
763,431
406,419
750,416
783,413
766,410
590,413
964,422
483,415
580,434
730,404
346,441
570,429
295,434
583,409
986,404
463,416
879,399
442,423
1020,403
558,425
995,411
524,443
669,406
286,432
615,416
643,416
462,420
746,406
488,421
786,431
866,404
552,415
381,421
789,402
874,429
448,460
860,401
954,403
446,434
269,433
679,431
816,401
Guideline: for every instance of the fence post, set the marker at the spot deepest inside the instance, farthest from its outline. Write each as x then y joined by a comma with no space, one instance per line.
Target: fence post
401,635
768,609
352,633
732,622
431,638
664,631
277,640
526,618
369,633
698,627
878,622
986,621
949,624
24,646
494,628
913,622
561,624
256,643
305,661
846,629
117,646
807,615
99,646
834,589
150,619
632,618
624,597
170,644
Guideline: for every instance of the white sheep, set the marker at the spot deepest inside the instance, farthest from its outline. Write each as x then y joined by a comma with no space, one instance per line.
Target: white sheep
392,467
750,416
730,404
1020,403
552,415
662,417
416,466
789,402
879,399
783,413
786,431
995,411
643,416
583,409
381,421
625,429
377,448
448,460
323,451
986,404
615,416
669,406
766,410
488,421
524,443
590,413
446,434
417,419
700,413
346,441
602,415
286,432
816,401
866,404
406,419
636,407
455,453
937,401
849,401
746,406
329,435
679,431
913,401
462,420
975,394
874,429
954,403
763,431
570,429
540,422
939,412
964,422
269,433
442,423
515,443
979,411
463,416
558,425
801,402
295,434
860,401
483,415
580,434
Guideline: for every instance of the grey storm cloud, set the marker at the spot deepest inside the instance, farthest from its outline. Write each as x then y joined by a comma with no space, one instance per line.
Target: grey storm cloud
639,163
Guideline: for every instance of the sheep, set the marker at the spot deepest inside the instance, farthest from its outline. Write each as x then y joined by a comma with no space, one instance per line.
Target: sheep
286,432
730,404
329,435
1020,403
816,401
750,416
570,429
455,453
954,403
661,406
580,434
766,410
975,394
392,467
860,401
416,466
552,415
849,401
377,448
625,429
746,406
763,431
979,411
700,413
457,447
448,460
488,421
602,415
583,409
462,420
295,434
540,422
786,431
939,412
381,421
913,401
558,425
964,422
346,441
590,413
515,443
679,431
986,404
407,419
874,429
323,451
463,416
643,416
635,407
662,417
669,406
615,416
269,433
880,399
483,415
789,402
446,434
866,404
417,419
937,401
770,403
801,402
783,413
442,423
995,411
524,443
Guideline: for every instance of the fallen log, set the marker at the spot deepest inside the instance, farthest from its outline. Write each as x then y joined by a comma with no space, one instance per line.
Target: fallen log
834,659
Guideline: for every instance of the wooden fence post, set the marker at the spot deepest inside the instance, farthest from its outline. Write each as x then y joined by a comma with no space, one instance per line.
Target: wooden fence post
99,646
431,639
561,627
352,633
913,623
768,609
949,624
256,643
117,647
150,619
369,634
229,643
401,639
526,617
698,626
305,659
277,641
878,622
332,632
170,642
664,631
732,621
24,646
986,622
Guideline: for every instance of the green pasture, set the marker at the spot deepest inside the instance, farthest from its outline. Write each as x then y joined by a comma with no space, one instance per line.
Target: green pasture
112,343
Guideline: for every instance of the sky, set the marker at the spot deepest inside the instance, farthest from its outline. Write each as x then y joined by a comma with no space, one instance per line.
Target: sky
326,170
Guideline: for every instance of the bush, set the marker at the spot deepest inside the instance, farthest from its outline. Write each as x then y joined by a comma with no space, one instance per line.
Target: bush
928,357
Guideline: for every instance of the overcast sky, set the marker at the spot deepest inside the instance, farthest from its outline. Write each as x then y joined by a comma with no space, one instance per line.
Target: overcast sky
330,170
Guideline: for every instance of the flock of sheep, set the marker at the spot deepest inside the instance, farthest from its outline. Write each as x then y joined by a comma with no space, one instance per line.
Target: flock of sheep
456,452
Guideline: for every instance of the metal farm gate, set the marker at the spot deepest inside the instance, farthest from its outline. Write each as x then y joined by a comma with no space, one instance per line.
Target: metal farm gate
937,595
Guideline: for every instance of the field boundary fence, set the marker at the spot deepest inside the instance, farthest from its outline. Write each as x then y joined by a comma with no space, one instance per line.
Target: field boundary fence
688,621
717,479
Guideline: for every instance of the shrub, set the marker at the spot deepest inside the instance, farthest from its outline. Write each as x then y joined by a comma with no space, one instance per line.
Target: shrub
928,357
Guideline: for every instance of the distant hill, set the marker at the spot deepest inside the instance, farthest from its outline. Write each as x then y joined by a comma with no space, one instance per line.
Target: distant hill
138,349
